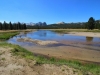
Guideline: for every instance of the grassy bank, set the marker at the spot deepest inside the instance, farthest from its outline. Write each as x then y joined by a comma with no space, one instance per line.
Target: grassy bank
73,30
7,35
27,30
23,53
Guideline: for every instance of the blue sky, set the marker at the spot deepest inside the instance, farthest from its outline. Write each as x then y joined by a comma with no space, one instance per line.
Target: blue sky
50,11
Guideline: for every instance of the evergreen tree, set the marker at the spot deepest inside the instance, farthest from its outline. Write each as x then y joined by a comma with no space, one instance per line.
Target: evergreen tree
99,26
15,26
5,25
91,23
10,24
0,26
24,26
19,25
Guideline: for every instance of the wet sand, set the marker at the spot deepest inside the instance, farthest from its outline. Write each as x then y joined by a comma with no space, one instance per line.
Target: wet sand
80,50
68,52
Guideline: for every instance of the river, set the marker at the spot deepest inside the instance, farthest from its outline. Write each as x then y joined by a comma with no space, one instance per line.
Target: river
69,47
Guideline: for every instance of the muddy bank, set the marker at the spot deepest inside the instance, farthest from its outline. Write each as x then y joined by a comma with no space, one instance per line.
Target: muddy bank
39,42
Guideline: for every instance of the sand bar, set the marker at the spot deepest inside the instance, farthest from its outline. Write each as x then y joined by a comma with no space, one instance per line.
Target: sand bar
88,34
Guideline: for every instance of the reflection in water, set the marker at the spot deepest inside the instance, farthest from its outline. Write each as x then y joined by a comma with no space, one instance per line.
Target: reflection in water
89,39
25,35
41,33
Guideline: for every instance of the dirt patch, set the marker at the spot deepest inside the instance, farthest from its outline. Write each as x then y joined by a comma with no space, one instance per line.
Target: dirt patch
14,65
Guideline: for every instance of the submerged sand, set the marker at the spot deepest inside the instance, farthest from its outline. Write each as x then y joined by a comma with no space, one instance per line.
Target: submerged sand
71,50
39,42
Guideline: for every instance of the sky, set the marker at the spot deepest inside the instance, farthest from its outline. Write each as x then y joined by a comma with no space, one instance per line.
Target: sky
50,11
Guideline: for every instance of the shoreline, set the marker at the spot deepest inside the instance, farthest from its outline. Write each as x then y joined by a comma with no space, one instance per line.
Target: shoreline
38,64
87,34
66,52
69,59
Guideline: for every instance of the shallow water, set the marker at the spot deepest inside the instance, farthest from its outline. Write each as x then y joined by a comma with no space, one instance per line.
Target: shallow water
69,47
63,39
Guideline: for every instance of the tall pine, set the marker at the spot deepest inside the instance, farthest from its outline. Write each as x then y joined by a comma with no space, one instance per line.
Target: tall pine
0,26
10,24
91,23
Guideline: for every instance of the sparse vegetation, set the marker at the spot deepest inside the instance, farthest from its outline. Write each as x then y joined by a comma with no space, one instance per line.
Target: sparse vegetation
3,59
61,31
85,68
66,31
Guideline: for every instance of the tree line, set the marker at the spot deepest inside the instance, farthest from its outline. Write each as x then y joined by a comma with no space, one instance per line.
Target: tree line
90,24
12,26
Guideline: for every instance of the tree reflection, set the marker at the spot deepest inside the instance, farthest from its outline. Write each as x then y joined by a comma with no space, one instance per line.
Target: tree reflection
89,39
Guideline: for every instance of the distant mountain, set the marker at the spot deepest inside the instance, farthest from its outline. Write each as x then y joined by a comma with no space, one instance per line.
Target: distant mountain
39,24
60,23
31,23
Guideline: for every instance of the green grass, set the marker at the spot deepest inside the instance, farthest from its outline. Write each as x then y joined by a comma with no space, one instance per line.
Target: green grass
3,59
7,35
74,30
61,31
92,31
23,53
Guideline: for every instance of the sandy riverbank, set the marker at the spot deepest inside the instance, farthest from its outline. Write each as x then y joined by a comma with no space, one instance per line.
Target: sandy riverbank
68,53
15,65
88,34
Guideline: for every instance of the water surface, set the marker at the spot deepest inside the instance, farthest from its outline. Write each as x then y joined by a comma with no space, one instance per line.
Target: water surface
64,39
70,46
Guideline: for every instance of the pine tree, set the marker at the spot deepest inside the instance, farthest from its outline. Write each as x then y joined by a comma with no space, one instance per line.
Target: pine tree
5,25
10,24
91,23
19,25
0,26
24,26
